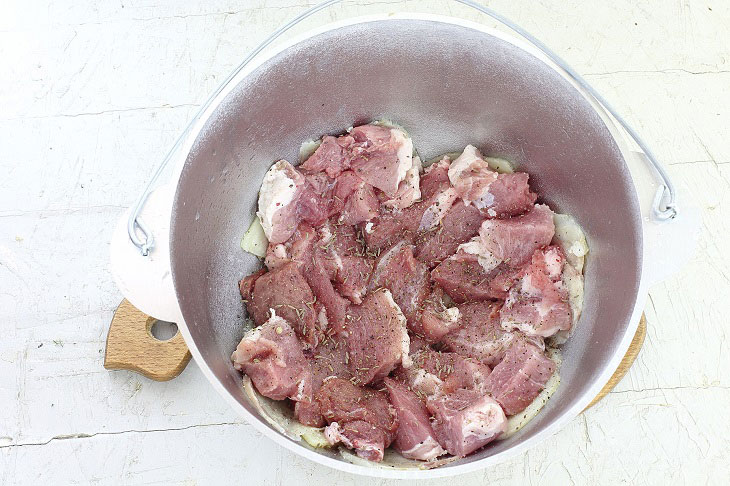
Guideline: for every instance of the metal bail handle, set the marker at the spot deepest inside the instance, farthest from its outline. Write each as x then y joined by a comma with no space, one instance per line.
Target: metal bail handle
665,201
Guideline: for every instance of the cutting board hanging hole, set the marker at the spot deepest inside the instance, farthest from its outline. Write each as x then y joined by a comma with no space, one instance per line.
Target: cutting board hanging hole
163,330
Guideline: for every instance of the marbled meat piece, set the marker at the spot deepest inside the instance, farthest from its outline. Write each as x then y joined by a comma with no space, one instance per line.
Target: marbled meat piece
361,205
459,224
437,196
454,371
381,156
414,438
435,178
510,195
466,420
538,303
496,195
271,355
285,291
245,286
389,228
377,337
406,278
353,277
520,376
334,305
329,359
296,249
514,240
409,190
471,176
439,316
463,278
359,417
330,157
436,373
480,334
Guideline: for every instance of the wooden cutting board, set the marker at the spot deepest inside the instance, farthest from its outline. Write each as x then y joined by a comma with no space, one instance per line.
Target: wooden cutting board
130,345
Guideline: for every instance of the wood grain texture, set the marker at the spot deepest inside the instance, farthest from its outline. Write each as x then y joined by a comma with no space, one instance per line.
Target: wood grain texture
625,365
130,345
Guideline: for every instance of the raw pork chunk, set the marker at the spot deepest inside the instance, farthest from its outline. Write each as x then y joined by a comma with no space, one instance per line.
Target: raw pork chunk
437,196
285,291
512,195
288,198
297,249
439,317
538,303
459,223
471,177
496,195
345,259
272,357
406,278
465,279
377,337
415,438
381,156
330,157
514,240
359,417
480,335
466,420
437,373
485,267
520,376
329,359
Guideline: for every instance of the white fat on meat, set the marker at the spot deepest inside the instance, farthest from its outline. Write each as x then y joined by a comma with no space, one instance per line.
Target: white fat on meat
278,191
280,251
409,189
451,315
571,238
404,153
483,420
322,318
485,200
463,163
307,148
553,263
572,282
485,258
405,339
425,382
326,236
426,450
471,176
435,212
334,435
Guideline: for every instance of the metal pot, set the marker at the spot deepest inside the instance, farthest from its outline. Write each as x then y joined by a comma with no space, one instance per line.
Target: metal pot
449,83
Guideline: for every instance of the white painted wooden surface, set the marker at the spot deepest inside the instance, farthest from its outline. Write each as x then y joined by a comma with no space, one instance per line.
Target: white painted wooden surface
91,95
